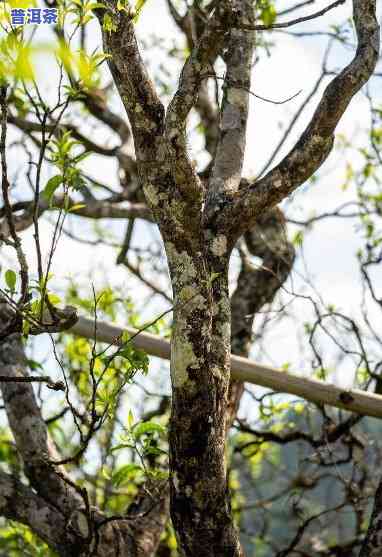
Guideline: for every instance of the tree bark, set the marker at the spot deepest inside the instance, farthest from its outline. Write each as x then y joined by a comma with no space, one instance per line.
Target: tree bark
200,372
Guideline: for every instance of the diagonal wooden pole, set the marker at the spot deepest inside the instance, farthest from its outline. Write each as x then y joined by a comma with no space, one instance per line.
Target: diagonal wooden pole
242,369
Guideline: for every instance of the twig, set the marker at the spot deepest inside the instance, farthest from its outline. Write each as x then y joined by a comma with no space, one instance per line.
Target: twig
55,385
292,21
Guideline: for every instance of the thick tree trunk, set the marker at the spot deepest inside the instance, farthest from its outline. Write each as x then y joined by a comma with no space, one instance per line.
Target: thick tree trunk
200,371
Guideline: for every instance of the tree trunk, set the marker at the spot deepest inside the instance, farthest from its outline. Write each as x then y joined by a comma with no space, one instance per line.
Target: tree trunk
200,371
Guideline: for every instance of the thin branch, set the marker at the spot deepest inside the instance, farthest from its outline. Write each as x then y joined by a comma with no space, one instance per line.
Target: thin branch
292,22
55,385
98,209
296,7
30,127
316,143
292,123
5,187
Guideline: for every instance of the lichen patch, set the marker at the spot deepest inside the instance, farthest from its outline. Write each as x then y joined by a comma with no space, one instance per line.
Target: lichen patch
182,357
219,245
151,194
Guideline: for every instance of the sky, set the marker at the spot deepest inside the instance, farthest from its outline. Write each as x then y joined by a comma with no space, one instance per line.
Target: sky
329,250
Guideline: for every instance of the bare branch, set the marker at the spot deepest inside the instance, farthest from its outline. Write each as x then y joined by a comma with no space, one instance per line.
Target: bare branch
284,24
5,186
91,210
29,127
296,7
316,142
198,64
55,385
372,543
228,163
257,286
95,102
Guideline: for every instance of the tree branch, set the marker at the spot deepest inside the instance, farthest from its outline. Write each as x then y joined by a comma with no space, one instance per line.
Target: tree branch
20,503
28,426
228,163
103,209
95,102
257,286
198,63
138,94
29,127
316,142
292,22
372,544
54,385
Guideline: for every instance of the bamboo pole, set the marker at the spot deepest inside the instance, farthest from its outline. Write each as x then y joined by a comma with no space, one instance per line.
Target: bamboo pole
243,369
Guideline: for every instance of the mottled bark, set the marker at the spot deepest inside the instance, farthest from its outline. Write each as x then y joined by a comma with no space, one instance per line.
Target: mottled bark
199,369
198,263
238,56
200,372
20,503
200,351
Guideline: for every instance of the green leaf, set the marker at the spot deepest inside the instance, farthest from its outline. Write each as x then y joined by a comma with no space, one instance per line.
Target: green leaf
130,419
125,337
122,6
145,428
10,279
268,14
54,299
299,407
51,187
126,473
76,207
122,446
34,365
298,239
105,473
108,24
138,8
26,328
